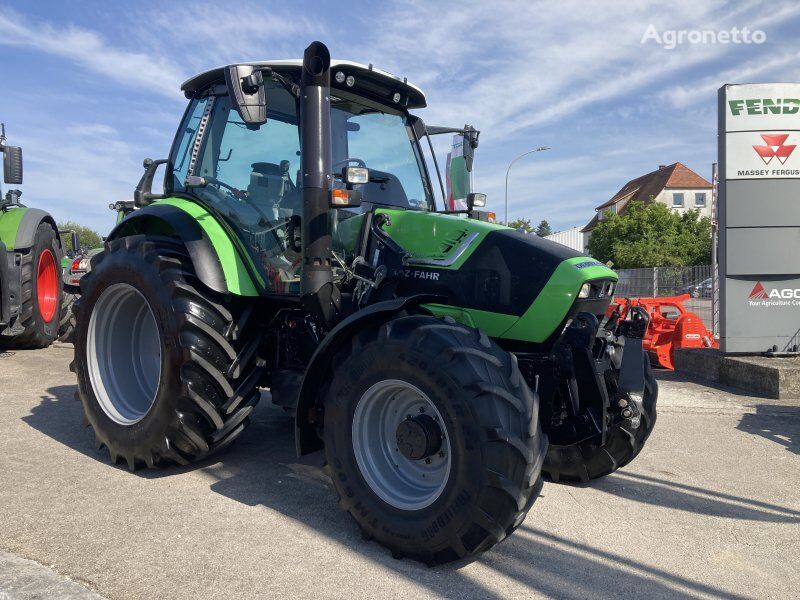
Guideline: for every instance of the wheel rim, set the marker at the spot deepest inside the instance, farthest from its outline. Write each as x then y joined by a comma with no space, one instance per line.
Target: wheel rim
123,354
398,480
47,285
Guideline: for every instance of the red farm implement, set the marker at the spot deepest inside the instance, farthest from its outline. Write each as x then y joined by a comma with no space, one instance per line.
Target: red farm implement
671,326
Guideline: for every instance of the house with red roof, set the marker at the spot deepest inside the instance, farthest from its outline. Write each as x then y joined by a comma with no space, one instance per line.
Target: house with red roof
675,185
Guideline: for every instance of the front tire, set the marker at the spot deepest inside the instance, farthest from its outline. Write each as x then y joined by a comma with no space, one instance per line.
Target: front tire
588,459
167,369
475,469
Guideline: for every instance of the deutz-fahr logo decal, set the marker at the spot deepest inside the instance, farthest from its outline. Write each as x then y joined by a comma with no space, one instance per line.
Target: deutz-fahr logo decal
775,146
765,106
419,274
761,296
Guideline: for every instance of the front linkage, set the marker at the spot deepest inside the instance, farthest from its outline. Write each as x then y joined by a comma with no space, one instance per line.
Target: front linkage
597,395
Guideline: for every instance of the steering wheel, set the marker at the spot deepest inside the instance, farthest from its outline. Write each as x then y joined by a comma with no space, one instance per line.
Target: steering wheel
235,192
238,194
358,162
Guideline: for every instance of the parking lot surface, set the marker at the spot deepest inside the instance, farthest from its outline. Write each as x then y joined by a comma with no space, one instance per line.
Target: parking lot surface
710,509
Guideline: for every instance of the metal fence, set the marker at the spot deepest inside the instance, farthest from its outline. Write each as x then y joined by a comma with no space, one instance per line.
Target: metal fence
696,281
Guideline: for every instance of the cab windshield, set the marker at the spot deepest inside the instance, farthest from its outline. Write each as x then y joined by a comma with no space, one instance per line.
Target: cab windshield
375,137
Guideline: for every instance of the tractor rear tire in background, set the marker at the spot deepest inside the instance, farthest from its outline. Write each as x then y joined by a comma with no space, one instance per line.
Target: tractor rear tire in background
40,292
432,438
66,324
167,369
588,459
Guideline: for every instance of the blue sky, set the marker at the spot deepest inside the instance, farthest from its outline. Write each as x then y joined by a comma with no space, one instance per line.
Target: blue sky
91,88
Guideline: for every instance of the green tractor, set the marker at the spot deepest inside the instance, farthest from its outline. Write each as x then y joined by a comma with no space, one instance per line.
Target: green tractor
30,264
442,363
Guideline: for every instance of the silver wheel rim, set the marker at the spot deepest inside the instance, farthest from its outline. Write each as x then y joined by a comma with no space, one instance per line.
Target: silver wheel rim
399,481
123,354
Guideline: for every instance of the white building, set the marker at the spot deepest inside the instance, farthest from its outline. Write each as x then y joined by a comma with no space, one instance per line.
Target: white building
675,185
571,237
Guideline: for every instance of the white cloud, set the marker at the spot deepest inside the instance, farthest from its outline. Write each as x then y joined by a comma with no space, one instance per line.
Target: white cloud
89,50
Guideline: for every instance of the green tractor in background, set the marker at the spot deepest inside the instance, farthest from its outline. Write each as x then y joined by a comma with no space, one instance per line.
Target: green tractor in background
30,264
442,363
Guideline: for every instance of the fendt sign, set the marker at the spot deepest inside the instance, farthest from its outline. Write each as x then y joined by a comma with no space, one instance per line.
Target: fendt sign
759,217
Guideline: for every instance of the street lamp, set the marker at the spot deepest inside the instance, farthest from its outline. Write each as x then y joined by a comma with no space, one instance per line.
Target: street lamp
511,164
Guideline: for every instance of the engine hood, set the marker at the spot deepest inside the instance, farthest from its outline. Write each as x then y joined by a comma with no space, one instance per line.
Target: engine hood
512,284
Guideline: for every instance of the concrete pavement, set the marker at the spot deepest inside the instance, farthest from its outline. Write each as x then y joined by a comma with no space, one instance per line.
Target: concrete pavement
710,509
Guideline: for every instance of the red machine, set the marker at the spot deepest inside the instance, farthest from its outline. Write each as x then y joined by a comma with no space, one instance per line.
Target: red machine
671,326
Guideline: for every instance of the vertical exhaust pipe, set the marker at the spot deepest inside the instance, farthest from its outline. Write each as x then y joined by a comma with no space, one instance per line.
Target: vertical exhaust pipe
318,293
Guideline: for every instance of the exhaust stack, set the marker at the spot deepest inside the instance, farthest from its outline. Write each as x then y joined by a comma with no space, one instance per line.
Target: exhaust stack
318,293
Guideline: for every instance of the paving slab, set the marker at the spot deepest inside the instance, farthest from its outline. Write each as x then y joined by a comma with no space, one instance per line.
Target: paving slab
710,509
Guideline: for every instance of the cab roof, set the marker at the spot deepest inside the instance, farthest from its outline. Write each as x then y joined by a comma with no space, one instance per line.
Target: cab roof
369,80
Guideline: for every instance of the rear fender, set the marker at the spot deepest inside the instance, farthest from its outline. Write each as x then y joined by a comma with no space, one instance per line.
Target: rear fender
215,260
26,229
319,367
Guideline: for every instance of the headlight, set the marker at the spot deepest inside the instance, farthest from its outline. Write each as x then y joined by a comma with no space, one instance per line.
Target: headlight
586,289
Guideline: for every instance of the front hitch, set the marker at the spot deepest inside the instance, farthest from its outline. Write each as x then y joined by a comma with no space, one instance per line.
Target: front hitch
631,368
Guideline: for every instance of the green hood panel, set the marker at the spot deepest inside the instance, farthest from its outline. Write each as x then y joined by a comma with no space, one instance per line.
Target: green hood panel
553,303
546,312
435,235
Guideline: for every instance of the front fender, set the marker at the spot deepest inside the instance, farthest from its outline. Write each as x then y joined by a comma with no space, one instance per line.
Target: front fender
318,370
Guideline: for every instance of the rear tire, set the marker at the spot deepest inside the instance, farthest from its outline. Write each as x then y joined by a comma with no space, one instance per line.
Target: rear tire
588,459
40,292
66,324
491,431
187,385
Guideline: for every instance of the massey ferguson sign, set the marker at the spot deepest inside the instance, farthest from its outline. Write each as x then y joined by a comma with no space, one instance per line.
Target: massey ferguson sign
759,217
762,155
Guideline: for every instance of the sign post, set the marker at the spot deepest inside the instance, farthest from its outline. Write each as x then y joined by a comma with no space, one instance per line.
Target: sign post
759,217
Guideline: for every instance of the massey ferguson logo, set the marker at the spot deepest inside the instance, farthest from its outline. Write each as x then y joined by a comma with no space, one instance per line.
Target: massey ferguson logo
760,296
774,147
758,293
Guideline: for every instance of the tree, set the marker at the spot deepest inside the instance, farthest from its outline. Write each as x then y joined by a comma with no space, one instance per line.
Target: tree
652,235
524,224
88,238
543,229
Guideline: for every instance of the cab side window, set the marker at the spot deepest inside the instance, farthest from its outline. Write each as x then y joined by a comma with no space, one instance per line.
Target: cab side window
250,175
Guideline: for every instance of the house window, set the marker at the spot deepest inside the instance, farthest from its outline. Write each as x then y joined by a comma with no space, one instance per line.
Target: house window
700,199
677,199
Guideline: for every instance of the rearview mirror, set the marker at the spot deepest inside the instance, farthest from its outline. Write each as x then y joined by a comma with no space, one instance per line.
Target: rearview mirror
475,199
12,165
246,91
143,194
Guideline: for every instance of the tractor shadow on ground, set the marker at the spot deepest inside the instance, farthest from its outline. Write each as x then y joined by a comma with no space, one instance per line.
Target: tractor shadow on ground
678,496
261,469
779,424
662,374
59,415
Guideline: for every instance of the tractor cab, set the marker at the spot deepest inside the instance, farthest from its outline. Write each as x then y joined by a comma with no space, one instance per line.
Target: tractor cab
246,165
